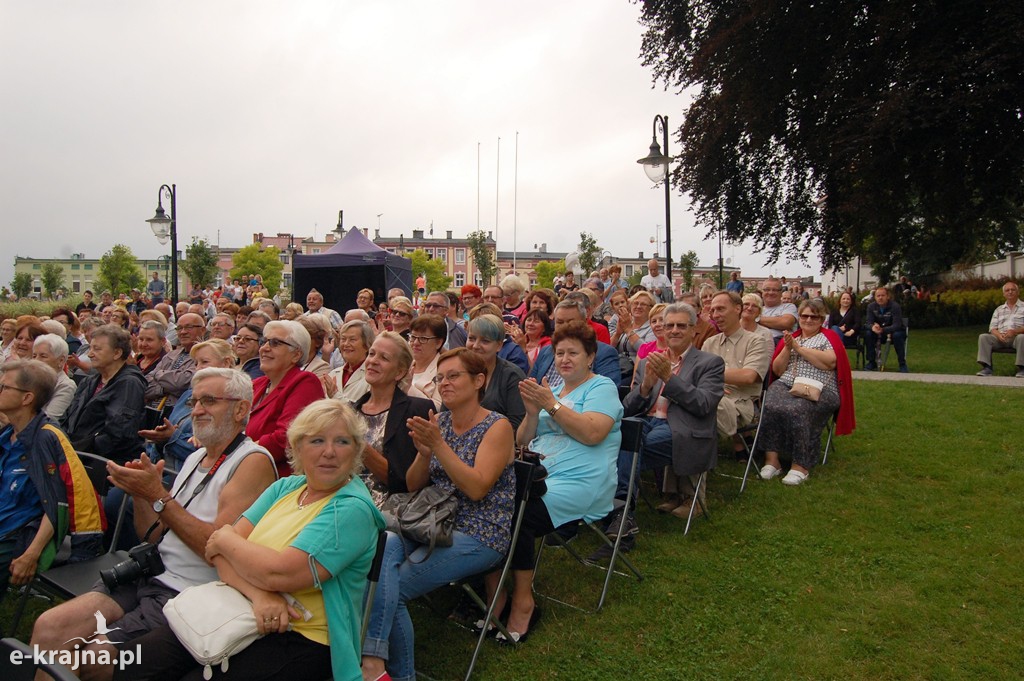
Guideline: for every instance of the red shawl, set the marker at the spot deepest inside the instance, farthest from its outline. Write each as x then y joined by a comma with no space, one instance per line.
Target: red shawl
845,421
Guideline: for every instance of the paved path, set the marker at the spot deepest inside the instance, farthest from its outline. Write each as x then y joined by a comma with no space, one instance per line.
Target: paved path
997,381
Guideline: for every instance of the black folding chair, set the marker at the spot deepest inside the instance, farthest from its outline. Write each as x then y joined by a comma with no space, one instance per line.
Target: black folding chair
372,579
17,663
632,441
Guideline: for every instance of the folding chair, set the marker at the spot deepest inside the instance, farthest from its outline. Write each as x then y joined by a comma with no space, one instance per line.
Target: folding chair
830,442
883,348
372,579
24,669
524,471
74,579
632,441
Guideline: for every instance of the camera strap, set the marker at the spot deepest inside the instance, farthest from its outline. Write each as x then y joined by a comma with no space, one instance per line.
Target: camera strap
228,451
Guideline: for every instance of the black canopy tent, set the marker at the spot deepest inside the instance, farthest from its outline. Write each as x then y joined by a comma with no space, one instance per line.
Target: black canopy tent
352,264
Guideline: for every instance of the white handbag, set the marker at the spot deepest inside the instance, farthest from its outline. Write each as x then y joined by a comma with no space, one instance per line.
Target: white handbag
213,621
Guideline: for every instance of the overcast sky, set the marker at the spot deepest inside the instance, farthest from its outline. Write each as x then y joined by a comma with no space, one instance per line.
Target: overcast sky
272,116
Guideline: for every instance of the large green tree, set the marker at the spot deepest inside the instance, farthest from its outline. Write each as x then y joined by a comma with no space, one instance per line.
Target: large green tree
21,285
546,272
254,259
589,253
119,271
435,270
483,256
200,264
891,130
52,278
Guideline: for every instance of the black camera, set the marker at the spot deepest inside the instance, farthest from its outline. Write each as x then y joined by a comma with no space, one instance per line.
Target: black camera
143,561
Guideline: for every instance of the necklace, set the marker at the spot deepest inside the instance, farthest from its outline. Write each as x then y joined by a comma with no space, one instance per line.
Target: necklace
302,499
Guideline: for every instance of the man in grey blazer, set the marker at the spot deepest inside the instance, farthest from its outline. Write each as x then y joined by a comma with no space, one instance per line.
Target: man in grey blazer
676,394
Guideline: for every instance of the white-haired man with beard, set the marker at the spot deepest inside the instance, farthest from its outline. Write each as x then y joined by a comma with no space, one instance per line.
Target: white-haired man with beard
215,485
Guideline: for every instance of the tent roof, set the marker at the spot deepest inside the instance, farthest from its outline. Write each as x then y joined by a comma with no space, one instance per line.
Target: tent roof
354,249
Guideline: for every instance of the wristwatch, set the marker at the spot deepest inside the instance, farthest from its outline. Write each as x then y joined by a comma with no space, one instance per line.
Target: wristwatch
160,504
554,410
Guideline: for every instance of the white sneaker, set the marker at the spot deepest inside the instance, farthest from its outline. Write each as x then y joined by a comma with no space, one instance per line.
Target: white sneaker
769,471
794,477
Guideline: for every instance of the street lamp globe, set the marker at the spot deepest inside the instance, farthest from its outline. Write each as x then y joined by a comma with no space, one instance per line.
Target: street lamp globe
655,163
160,224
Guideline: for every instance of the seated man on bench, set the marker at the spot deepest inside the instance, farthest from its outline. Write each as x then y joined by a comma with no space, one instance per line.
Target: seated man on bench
1005,331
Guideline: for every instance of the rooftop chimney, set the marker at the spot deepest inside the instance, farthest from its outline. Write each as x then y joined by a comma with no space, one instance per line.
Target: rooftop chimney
449,233
366,232
417,234
376,234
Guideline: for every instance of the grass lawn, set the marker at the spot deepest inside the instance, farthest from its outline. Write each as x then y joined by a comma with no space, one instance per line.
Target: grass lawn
947,351
899,559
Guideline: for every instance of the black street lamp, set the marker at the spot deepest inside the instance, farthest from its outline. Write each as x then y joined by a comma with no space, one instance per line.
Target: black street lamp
163,227
656,166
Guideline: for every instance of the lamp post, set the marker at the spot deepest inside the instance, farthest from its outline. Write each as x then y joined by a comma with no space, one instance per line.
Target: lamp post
656,166
163,227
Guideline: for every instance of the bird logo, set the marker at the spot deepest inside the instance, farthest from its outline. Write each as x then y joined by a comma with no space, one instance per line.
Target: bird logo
101,630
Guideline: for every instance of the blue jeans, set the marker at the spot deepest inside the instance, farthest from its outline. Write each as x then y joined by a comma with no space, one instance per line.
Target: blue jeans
657,452
390,633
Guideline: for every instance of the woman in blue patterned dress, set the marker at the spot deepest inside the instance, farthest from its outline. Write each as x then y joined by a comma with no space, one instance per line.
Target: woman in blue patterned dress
468,450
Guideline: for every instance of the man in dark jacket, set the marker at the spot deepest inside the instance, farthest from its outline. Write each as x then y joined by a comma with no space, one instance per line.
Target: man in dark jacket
47,492
106,413
885,322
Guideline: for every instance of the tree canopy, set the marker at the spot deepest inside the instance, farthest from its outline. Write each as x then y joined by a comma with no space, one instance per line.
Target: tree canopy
547,270
891,130
21,285
589,253
483,257
435,270
52,278
119,271
687,263
254,259
200,263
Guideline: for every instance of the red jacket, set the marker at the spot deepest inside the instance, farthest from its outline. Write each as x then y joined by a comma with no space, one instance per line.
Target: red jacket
845,420
273,413
601,330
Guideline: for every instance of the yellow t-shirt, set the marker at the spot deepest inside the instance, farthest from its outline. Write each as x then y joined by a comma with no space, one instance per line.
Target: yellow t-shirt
277,530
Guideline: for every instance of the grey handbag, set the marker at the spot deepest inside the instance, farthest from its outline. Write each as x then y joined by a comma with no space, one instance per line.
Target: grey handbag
426,516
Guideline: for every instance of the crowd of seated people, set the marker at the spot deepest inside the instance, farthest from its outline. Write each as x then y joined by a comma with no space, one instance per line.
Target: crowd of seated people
376,392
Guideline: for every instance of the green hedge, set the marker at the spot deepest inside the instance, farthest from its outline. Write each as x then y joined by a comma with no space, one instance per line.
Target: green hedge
949,309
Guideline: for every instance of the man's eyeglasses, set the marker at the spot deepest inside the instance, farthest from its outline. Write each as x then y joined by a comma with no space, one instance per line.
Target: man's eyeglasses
246,339
208,401
4,386
433,306
421,339
451,377
676,325
275,343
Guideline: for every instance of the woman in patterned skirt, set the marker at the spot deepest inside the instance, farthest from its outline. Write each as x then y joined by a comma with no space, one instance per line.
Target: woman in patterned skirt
792,423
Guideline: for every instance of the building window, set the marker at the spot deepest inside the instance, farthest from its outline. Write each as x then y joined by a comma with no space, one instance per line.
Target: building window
429,252
88,266
460,256
628,271
287,279
442,254
460,279
36,266
284,258
478,280
390,250
154,268
76,286
315,251
75,266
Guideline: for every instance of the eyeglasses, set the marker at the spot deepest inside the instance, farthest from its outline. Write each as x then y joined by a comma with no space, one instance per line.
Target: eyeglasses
275,343
809,317
399,313
676,325
421,339
433,306
208,401
451,376
4,386
246,339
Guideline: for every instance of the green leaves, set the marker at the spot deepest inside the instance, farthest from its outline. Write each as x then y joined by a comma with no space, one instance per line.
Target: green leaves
254,259
887,130
200,264
119,271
